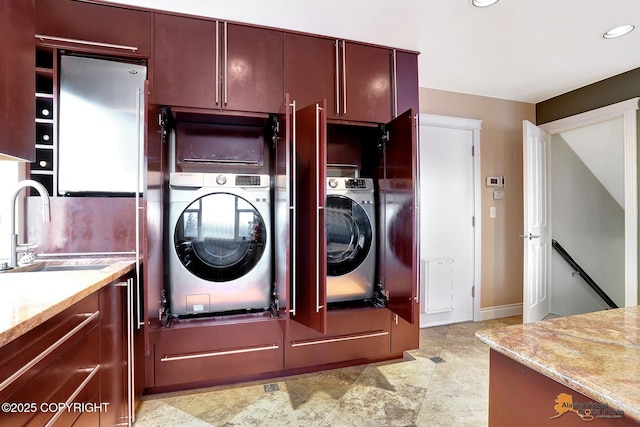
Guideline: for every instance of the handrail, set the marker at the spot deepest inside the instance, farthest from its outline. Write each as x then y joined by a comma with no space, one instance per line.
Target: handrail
564,254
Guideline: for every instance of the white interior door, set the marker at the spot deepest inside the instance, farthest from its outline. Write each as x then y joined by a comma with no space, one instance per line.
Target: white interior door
537,239
447,234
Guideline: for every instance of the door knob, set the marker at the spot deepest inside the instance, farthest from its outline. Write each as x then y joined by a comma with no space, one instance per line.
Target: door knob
529,236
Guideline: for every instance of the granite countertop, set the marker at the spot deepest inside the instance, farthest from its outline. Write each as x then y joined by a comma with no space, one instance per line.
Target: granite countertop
596,354
29,298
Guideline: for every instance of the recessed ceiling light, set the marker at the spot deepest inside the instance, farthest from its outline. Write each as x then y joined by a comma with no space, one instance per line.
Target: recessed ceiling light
483,3
618,31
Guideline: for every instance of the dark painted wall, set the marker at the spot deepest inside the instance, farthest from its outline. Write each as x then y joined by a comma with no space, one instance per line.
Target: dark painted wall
600,94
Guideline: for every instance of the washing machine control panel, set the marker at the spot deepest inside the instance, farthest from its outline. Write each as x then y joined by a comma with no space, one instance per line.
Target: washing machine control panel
355,183
248,180
341,183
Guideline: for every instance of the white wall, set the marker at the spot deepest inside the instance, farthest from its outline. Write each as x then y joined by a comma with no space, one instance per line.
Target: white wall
10,173
589,223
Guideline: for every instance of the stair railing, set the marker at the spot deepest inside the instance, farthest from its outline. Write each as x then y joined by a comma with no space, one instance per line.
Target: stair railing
579,270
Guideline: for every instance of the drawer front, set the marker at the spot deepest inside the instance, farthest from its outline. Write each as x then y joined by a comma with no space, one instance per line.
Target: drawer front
352,335
62,379
217,352
23,358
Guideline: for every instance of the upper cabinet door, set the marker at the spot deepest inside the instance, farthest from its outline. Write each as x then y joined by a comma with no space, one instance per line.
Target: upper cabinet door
309,288
311,71
185,62
95,25
252,79
366,83
17,85
406,82
399,223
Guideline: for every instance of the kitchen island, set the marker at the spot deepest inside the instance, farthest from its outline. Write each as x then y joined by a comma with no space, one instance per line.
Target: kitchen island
566,371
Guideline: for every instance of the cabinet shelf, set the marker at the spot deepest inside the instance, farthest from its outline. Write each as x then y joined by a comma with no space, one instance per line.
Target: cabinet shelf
50,121
40,172
44,95
44,147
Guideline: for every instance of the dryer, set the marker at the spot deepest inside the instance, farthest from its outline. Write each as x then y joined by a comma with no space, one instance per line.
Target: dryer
219,249
351,239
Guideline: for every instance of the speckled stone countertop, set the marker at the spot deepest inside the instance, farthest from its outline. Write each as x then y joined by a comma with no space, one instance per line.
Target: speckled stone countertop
596,354
29,298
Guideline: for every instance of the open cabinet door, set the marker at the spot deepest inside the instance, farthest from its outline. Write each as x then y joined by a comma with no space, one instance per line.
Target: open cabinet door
398,210
283,208
308,290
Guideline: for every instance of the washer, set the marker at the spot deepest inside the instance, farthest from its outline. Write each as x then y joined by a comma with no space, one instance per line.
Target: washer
351,239
219,249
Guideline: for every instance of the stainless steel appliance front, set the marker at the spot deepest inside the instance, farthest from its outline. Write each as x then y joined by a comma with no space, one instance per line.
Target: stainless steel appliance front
219,243
351,239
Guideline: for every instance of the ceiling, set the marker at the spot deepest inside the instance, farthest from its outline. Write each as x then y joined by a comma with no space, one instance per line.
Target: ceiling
519,50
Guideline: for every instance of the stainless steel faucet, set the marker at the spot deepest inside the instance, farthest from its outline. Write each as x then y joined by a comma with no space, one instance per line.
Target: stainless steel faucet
46,217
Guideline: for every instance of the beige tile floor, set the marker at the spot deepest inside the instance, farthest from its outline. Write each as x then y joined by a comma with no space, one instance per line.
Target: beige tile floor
443,383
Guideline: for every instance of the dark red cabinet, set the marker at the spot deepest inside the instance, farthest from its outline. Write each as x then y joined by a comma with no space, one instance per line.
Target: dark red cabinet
310,71
366,83
216,65
406,82
309,297
17,105
252,60
184,62
95,28
398,247
355,79
113,353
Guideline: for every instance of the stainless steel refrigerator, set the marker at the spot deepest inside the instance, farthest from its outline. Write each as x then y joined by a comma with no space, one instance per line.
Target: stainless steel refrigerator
101,126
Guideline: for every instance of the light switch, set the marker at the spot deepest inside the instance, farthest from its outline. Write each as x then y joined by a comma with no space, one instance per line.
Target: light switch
492,212
498,195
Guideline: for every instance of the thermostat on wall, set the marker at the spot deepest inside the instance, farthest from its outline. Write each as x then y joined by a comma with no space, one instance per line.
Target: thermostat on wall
495,181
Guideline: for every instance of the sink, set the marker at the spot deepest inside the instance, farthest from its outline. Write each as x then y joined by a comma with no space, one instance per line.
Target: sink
38,267
73,267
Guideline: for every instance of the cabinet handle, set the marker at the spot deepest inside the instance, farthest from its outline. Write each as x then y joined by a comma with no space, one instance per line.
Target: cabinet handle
319,205
218,353
89,318
130,364
217,64
226,66
339,339
344,78
44,39
337,78
292,208
69,401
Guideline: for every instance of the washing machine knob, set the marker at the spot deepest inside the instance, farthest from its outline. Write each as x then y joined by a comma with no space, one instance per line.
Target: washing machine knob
221,179
333,183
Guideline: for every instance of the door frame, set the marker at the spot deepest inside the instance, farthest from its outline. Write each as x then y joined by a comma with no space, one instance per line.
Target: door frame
627,110
473,125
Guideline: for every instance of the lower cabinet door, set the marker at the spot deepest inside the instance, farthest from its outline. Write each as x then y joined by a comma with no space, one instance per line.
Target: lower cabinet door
191,353
353,335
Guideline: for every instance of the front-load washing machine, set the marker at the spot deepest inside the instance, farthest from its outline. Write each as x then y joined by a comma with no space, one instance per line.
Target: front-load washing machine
219,249
351,239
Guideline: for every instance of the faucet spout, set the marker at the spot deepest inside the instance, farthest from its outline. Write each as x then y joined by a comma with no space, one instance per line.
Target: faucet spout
46,213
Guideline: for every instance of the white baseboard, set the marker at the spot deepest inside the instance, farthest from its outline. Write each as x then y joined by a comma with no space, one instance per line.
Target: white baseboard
499,311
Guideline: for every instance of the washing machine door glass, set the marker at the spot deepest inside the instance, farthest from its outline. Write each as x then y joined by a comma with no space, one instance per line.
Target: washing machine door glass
220,237
349,235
